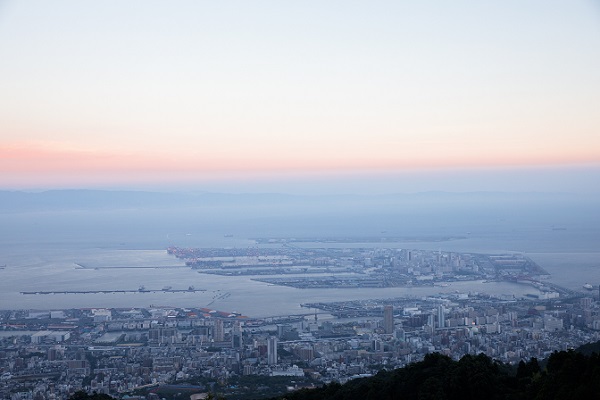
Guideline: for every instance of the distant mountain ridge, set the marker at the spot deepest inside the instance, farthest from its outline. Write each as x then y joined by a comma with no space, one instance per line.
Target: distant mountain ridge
11,201
90,199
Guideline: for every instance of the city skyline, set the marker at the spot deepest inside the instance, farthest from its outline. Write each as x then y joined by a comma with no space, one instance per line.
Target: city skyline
262,96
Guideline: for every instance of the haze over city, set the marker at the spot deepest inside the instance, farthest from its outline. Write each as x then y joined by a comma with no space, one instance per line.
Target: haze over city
247,198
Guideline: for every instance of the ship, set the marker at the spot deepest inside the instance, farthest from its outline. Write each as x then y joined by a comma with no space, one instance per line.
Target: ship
588,286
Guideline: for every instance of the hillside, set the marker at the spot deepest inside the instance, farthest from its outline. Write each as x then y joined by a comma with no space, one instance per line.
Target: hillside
567,375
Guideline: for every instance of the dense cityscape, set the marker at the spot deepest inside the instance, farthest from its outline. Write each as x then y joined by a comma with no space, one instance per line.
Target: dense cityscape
159,351
299,200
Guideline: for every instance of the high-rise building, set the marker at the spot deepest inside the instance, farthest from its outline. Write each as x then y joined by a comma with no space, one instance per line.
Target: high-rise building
431,320
401,335
441,317
236,335
388,319
218,331
272,350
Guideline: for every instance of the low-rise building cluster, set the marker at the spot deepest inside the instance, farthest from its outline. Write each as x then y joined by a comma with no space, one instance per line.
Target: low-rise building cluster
52,354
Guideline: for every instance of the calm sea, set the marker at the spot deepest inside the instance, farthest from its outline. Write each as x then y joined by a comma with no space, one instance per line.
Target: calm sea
42,251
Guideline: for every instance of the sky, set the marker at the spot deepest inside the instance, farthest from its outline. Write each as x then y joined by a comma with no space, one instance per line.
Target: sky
300,96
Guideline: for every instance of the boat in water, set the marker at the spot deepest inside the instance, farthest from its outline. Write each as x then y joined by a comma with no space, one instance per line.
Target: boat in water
588,286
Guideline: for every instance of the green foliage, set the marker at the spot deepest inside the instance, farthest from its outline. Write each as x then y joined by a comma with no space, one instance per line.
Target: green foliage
568,375
81,395
589,348
255,387
213,397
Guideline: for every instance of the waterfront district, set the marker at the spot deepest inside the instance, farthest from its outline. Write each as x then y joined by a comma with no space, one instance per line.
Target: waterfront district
146,352
359,267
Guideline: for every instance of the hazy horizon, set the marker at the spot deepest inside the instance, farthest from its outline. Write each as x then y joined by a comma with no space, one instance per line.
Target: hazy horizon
202,120
45,235
572,179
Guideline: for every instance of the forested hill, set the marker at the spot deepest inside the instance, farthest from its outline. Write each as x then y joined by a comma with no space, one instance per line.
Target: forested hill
566,375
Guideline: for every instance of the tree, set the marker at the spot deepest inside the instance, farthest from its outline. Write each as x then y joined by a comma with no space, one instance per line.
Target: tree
82,395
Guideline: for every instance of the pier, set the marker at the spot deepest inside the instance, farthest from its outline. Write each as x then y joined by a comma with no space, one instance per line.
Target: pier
140,290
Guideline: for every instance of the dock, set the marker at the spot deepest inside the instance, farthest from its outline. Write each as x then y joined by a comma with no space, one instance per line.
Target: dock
141,290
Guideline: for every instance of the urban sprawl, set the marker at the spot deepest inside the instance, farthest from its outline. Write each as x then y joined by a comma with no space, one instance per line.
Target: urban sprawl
51,354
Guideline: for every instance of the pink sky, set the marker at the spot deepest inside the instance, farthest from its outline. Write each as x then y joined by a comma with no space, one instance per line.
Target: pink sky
26,165
107,94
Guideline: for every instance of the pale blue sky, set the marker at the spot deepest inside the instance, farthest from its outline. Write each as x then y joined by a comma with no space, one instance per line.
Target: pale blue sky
142,93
